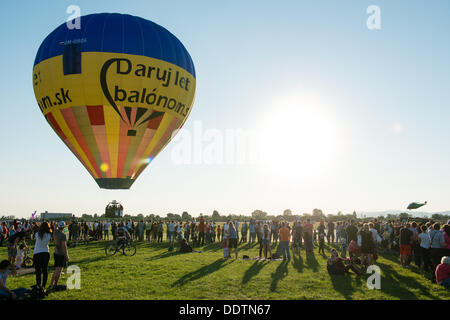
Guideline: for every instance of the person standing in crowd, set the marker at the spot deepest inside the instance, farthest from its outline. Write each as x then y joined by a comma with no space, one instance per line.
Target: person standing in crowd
106,228
297,234
352,232
307,236
219,236
265,242
41,254
244,231
171,231
367,245
406,238
12,244
113,230
321,233
437,243
186,231
284,241
201,231
330,234
424,245
141,229
60,255
3,233
232,239
415,247
252,229
446,233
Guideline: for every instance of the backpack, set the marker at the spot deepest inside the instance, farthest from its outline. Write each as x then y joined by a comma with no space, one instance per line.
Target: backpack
37,293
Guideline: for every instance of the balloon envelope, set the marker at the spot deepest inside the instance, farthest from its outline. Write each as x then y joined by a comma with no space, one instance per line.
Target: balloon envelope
115,91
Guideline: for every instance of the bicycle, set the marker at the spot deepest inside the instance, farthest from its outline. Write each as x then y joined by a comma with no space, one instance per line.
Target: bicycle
127,248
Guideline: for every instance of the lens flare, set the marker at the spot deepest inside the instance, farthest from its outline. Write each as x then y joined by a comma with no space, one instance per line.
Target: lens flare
104,167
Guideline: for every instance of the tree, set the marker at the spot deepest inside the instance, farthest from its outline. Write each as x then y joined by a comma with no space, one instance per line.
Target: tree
215,215
403,216
259,215
318,214
186,216
287,213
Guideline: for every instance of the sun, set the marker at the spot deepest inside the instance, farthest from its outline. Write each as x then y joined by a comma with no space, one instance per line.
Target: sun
298,138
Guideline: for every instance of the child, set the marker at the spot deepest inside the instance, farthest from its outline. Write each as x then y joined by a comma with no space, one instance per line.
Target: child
322,242
343,250
226,254
20,256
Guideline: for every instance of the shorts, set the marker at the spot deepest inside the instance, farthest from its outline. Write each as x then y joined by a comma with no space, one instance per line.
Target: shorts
265,241
232,243
12,250
60,260
405,249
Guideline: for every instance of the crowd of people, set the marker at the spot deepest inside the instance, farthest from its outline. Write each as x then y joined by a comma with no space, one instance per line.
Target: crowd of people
354,244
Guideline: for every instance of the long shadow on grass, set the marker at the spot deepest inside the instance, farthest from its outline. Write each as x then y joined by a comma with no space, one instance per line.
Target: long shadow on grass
279,274
343,285
297,262
254,269
398,285
164,255
203,271
311,262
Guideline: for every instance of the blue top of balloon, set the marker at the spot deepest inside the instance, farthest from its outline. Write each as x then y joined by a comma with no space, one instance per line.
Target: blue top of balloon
118,33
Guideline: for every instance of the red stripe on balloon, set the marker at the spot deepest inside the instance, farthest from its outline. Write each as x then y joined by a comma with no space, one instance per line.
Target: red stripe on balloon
96,115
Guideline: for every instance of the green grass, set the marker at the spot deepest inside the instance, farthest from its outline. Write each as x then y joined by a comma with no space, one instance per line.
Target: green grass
155,273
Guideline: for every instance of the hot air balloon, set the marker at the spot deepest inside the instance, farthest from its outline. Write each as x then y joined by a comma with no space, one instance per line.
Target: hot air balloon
115,91
415,205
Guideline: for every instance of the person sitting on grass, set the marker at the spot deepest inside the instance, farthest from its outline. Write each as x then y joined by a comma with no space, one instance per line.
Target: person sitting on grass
443,272
7,268
336,266
184,246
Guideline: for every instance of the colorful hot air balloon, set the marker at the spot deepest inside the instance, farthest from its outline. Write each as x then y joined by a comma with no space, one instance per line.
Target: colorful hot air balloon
114,91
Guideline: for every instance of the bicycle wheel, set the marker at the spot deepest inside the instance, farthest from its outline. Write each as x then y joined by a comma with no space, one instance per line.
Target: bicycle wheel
129,250
111,250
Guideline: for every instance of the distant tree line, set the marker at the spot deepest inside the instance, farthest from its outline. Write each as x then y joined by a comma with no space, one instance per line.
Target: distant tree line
316,215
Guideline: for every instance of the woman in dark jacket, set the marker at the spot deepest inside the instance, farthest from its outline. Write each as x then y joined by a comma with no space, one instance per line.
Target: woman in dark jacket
367,245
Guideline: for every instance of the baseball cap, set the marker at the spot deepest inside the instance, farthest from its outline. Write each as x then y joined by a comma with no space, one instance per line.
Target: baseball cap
61,224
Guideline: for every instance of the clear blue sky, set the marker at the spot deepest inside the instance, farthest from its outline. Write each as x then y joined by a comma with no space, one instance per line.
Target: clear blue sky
385,94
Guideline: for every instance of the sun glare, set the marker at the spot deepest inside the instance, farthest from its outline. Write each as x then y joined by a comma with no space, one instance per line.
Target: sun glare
298,138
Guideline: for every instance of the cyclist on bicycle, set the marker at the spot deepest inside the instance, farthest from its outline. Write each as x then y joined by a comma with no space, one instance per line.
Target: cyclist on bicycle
122,235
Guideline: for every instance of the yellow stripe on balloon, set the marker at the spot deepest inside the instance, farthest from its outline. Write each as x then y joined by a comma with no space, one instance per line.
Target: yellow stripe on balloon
112,125
68,133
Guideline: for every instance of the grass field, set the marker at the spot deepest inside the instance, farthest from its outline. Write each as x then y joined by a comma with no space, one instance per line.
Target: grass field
155,273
